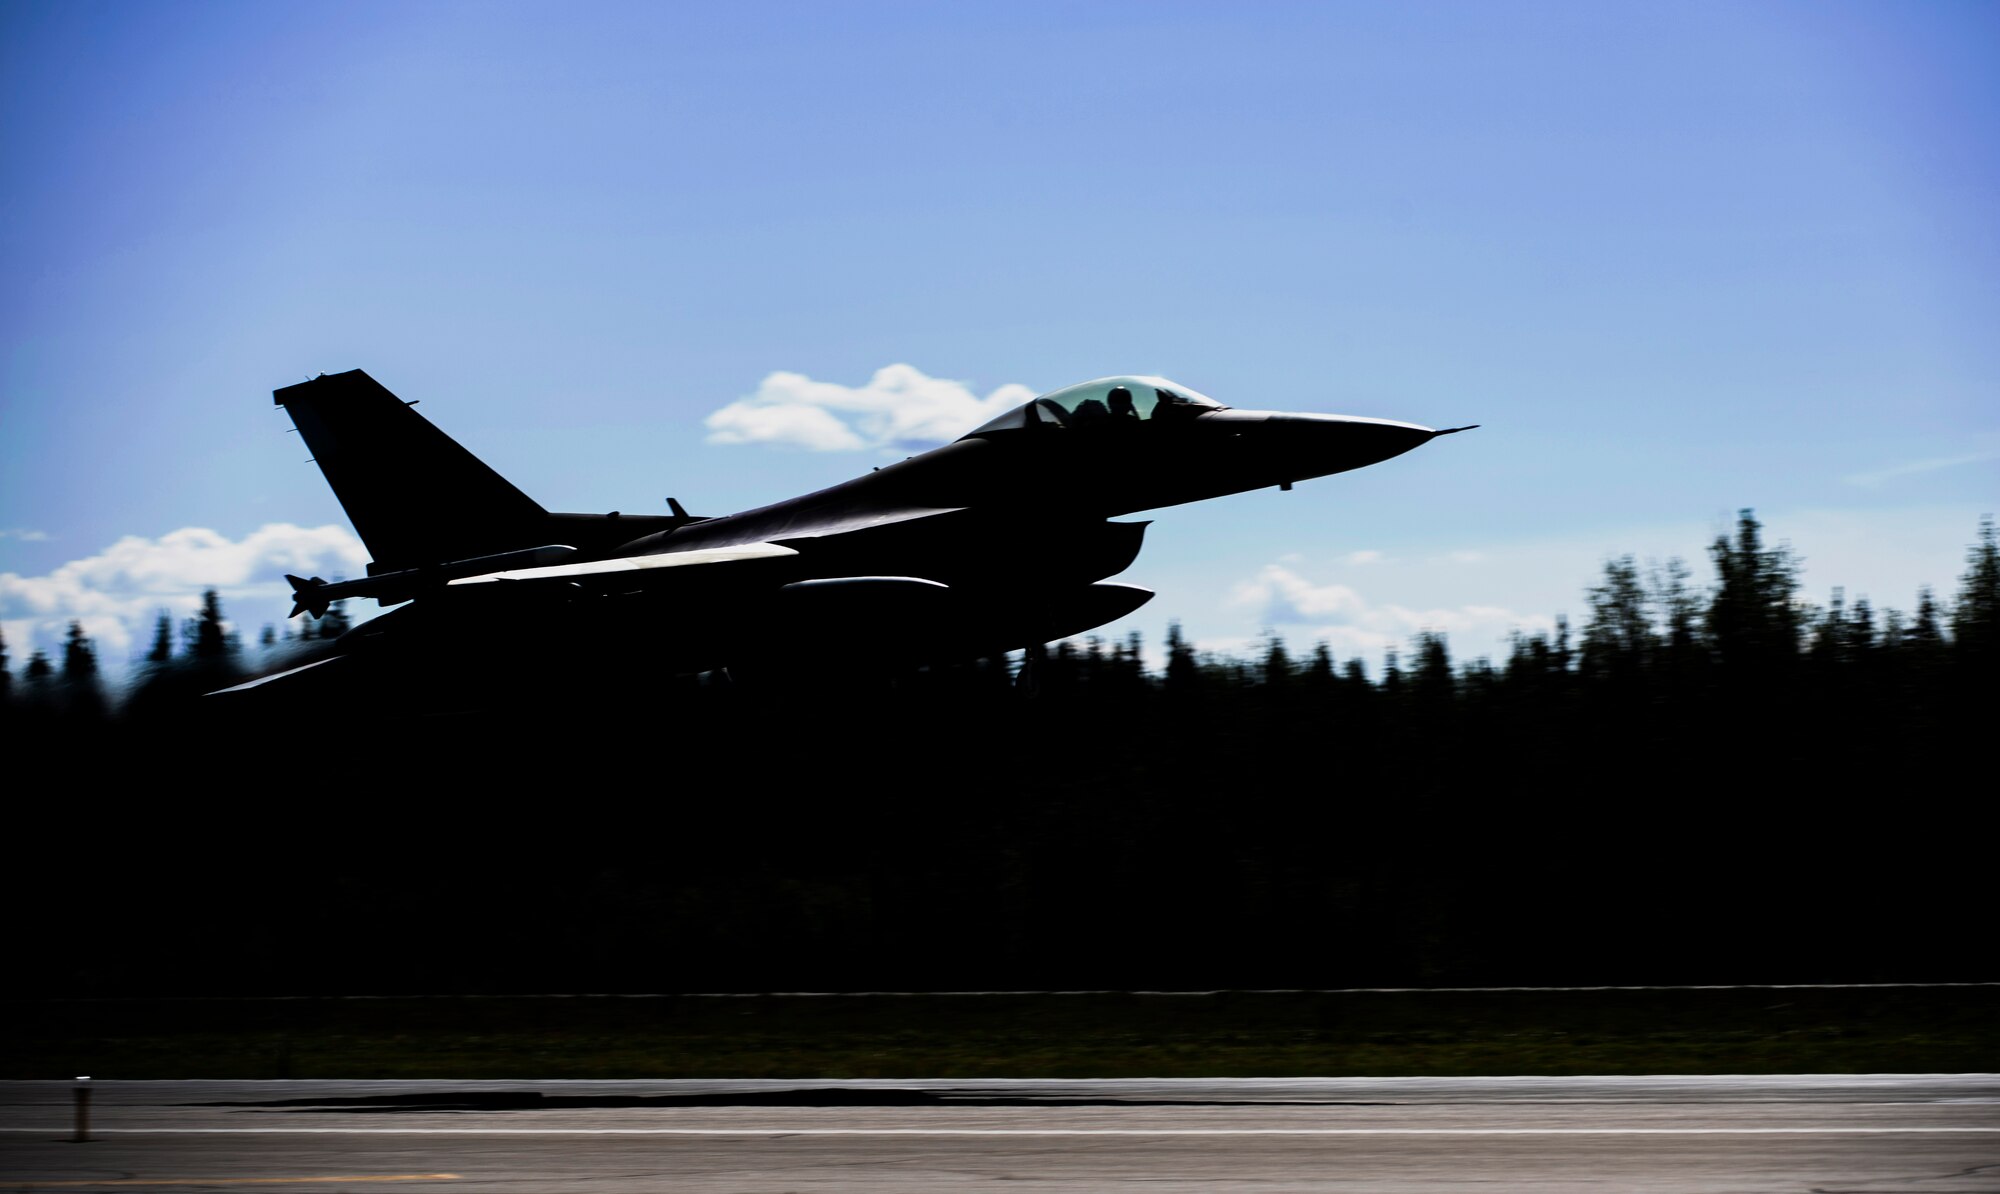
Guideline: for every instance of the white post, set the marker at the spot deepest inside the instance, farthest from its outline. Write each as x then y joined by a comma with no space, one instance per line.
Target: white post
82,1109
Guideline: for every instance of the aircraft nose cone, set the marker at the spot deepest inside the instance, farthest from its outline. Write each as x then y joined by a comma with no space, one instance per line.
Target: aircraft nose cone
1315,445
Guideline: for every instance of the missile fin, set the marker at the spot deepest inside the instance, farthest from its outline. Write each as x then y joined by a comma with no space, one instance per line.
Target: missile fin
306,597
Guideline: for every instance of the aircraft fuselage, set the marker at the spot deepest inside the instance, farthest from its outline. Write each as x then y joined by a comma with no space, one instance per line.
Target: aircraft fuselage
997,540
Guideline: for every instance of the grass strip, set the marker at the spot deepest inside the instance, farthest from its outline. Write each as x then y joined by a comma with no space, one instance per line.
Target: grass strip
1091,1035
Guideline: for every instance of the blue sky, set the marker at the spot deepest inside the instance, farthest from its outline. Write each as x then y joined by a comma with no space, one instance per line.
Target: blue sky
1676,259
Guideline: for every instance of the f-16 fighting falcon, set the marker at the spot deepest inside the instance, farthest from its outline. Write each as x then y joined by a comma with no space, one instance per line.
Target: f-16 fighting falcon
999,540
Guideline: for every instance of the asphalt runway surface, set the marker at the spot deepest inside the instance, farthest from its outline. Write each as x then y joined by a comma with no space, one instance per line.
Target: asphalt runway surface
1869,1134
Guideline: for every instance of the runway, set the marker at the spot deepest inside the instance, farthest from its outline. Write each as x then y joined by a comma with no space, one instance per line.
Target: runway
1921,1134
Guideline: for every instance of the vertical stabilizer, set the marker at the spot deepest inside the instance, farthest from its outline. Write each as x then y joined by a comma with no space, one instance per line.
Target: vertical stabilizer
414,495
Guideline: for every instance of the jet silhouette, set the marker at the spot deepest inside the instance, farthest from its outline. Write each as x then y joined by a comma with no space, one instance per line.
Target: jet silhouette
997,541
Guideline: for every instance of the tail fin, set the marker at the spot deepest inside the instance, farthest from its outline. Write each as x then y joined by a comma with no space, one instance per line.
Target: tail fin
414,495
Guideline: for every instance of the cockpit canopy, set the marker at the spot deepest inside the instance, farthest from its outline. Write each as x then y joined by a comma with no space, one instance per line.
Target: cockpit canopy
1106,400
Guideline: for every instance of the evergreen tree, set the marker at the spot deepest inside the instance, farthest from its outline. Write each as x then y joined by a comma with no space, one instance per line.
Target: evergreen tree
1479,681
1432,683
1537,676
6,677
1392,675
79,664
1862,662
1319,673
1861,628
1975,617
210,658
1681,653
1832,656
1277,664
1753,620
82,694
1133,674
1182,673
1356,709
1619,641
208,633
1829,634
1893,630
1093,666
152,677
1923,642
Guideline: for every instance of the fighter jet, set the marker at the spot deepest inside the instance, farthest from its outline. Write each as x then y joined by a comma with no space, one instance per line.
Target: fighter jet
999,540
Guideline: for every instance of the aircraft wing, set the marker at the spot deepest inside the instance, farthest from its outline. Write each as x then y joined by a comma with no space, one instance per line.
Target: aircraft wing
619,568
702,560
822,526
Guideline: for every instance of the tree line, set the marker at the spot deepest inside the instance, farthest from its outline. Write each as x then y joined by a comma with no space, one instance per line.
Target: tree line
1650,636
199,654
1714,783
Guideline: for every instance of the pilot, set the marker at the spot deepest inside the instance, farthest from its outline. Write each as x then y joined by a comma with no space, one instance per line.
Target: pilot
1120,399
1172,405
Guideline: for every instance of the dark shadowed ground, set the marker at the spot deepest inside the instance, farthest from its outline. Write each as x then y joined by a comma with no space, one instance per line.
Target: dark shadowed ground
1745,1031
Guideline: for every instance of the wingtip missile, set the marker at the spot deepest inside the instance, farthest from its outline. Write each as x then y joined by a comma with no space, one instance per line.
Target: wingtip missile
307,596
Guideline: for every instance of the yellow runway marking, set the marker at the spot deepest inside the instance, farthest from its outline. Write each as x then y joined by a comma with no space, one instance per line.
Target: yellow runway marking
233,1181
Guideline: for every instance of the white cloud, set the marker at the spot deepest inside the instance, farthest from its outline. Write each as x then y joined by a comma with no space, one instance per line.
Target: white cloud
1352,624
24,534
118,593
1356,557
899,407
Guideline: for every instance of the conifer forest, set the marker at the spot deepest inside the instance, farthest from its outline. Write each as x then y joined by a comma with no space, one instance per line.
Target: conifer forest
1705,778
